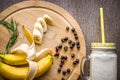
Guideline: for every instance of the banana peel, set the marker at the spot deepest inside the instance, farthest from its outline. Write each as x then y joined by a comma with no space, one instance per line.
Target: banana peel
19,73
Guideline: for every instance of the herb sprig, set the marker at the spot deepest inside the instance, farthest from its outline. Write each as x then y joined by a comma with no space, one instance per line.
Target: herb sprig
12,27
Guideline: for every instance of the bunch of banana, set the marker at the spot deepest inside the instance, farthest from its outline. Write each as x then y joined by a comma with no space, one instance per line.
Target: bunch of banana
40,27
14,65
20,72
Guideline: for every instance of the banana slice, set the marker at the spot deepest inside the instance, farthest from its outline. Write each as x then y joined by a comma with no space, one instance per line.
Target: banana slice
43,23
48,19
37,36
38,26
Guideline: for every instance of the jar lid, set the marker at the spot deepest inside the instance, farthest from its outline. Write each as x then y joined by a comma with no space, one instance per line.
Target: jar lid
103,45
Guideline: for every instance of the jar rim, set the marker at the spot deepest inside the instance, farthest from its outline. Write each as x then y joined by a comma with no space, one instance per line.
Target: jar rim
103,45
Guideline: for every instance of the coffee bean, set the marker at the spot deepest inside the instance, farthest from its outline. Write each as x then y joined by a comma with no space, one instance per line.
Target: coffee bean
76,37
60,46
72,55
69,41
65,38
60,65
56,54
65,57
78,46
77,43
59,69
73,29
67,28
62,78
68,70
65,48
64,72
74,62
77,60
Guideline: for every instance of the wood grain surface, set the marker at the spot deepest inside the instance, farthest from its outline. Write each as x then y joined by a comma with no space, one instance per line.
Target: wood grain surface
26,13
86,12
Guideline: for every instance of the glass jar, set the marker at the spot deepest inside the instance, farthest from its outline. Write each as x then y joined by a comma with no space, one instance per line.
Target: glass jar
103,62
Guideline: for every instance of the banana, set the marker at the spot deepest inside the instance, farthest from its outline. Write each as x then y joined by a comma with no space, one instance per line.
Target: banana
28,34
17,57
48,19
37,36
39,27
19,73
43,23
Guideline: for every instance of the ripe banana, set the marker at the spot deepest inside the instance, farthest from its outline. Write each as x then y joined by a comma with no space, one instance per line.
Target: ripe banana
43,23
19,73
39,27
48,19
28,34
19,57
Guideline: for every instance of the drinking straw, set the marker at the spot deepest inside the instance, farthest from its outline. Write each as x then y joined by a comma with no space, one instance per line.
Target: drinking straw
102,25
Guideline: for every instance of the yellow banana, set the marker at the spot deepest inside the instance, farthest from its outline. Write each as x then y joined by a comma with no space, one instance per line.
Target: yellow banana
19,57
19,73
48,19
43,23
28,34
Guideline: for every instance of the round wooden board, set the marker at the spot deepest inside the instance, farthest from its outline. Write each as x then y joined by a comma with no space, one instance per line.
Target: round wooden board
26,13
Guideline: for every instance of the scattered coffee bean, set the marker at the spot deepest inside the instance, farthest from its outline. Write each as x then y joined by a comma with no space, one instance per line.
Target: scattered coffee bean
65,38
56,54
77,60
75,33
78,46
62,57
76,37
67,28
65,48
74,62
62,40
69,41
71,46
68,70
64,72
65,57
73,29
60,65
72,55
62,61
77,43
57,48
62,78
59,70
60,46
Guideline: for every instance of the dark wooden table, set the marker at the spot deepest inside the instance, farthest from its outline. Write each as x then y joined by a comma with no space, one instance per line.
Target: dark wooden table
86,12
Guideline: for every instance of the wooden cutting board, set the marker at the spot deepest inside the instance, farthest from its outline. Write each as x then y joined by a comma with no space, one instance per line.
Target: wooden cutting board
26,13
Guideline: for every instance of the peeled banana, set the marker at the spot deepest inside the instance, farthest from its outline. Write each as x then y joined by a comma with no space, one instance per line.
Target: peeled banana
39,27
48,19
28,34
43,23
19,73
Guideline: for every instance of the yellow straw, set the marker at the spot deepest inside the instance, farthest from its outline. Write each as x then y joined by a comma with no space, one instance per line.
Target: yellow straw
102,25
